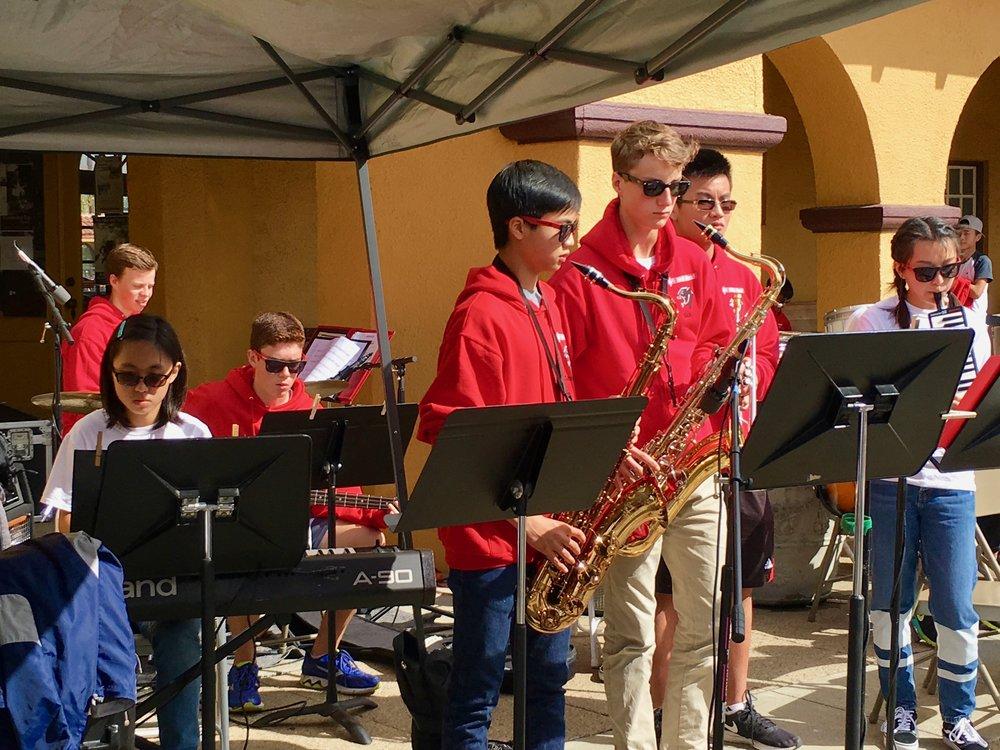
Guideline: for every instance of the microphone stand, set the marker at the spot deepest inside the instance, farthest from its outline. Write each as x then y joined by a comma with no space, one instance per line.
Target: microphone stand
732,622
60,329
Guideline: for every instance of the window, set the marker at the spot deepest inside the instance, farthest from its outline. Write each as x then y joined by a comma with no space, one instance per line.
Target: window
963,188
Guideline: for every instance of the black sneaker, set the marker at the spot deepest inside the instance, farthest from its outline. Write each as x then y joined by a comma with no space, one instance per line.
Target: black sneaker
658,724
904,733
498,745
748,727
963,736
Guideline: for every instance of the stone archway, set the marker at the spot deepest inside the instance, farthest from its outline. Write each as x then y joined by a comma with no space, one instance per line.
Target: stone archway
976,151
807,83
789,185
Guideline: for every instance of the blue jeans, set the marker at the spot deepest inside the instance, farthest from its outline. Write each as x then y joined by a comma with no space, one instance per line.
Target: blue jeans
176,647
940,525
484,621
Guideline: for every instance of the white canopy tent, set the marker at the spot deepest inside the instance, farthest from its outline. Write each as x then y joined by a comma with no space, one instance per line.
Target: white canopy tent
342,79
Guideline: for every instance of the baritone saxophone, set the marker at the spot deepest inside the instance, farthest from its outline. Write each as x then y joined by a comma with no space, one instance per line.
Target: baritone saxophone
628,522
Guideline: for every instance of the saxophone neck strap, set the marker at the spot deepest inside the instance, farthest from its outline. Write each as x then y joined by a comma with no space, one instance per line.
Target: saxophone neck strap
550,355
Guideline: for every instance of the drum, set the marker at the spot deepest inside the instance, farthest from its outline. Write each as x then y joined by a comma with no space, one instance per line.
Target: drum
802,529
835,321
839,497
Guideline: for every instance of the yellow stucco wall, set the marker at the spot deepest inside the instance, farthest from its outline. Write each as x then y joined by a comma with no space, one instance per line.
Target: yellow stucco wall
233,238
789,185
912,71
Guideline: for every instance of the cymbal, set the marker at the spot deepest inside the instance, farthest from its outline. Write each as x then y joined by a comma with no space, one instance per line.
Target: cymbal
325,388
78,402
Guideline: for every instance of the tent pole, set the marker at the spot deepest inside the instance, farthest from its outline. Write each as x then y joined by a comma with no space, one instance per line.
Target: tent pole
382,325
653,69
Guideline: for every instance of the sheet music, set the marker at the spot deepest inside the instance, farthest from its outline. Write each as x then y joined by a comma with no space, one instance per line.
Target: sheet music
328,357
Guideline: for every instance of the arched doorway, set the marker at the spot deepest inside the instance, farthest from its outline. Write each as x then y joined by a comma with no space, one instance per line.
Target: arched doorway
789,185
974,162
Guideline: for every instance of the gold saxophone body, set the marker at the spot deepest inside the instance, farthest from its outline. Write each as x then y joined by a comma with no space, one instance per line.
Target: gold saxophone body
602,522
628,522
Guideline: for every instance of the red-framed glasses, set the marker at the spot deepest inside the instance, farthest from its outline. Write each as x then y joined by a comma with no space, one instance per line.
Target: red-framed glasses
566,228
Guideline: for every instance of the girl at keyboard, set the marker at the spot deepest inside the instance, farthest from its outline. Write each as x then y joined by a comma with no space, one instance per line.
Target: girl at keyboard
143,383
940,519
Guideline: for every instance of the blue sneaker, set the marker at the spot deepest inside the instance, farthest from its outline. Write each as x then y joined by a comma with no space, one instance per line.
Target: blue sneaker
350,679
244,688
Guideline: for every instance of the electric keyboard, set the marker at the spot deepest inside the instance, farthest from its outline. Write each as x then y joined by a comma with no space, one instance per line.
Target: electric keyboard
324,579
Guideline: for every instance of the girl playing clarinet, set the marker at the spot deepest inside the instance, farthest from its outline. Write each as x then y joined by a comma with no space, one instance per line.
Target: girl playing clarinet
940,519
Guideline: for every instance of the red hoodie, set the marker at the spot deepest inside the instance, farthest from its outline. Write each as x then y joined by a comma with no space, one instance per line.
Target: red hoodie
741,289
491,355
233,401
608,334
82,360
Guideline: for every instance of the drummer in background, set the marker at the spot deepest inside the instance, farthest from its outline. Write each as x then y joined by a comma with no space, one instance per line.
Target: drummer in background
940,518
132,274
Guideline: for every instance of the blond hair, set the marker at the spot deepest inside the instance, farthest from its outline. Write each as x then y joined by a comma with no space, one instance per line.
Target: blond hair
650,137
127,256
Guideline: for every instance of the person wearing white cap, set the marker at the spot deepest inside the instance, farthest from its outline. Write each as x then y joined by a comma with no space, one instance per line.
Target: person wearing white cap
976,266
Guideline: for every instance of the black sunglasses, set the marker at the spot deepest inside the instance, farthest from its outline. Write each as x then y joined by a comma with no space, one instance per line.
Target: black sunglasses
131,379
274,366
927,273
653,188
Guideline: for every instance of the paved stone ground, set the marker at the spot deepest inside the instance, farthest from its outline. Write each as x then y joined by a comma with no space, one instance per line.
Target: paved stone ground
797,675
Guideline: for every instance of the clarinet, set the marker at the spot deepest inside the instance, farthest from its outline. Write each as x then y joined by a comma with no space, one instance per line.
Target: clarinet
955,317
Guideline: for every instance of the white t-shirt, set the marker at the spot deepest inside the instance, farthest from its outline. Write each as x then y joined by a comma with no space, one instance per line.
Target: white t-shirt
881,317
646,263
58,491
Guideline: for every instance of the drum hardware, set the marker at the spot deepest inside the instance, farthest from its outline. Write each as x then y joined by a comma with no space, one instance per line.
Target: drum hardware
78,402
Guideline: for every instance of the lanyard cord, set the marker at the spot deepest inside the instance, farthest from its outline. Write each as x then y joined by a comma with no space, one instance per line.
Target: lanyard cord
557,375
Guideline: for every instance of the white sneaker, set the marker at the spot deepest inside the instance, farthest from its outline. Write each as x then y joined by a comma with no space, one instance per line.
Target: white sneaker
963,736
904,733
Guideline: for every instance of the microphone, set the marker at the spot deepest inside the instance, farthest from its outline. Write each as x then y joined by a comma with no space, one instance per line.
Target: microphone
592,274
57,290
718,392
713,234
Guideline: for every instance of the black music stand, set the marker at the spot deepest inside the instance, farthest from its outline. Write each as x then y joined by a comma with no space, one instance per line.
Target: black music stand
854,406
350,447
196,507
491,463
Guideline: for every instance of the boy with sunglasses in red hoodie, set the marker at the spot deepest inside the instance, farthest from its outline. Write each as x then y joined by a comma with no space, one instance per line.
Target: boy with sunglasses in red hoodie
269,383
505,343
635,246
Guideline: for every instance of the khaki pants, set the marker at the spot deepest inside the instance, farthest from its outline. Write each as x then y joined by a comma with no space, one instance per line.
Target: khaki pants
693,548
